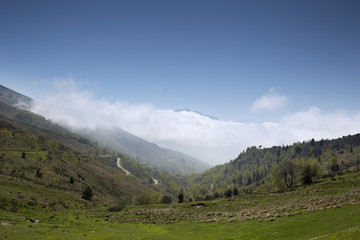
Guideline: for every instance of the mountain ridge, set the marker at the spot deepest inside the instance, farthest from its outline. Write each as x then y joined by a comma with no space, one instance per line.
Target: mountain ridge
115,138
197,112
146,152
14,98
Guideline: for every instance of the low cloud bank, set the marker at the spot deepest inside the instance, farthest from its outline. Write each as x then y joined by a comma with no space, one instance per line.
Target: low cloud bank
270,102
213,141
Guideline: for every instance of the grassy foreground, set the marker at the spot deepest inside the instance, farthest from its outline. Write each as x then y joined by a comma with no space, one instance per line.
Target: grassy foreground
329,209
342,223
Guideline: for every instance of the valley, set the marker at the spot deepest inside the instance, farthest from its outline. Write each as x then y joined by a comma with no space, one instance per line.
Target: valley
57,184
179,120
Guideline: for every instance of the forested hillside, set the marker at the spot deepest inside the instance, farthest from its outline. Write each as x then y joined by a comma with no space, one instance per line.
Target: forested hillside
277,168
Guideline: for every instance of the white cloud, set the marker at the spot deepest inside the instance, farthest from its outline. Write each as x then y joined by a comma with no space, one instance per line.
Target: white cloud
270,102
210,140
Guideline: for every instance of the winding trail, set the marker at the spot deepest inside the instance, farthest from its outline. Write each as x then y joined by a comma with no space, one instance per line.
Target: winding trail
119,166
155,181
118,163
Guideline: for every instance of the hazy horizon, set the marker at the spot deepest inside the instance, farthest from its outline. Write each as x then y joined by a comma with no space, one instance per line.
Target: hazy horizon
214,141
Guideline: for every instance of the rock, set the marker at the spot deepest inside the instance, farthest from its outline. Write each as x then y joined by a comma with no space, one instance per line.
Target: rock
34,220
5,224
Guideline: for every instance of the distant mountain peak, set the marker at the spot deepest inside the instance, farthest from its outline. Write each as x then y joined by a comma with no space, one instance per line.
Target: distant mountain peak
202,114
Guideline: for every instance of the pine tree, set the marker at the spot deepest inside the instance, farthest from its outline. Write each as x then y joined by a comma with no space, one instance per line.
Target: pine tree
181,197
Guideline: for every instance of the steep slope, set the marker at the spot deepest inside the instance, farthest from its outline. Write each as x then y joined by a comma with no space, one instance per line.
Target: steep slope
34,124
148,153
117,139
53,163
13,98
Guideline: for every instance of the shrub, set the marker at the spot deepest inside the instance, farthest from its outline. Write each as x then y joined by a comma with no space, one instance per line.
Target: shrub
71,180
116,208
236,192
39,173
228,193
87,194
166,199
144,199
181,198
208,197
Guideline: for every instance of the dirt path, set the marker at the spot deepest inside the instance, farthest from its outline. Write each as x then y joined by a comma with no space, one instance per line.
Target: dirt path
119,166
118,163
155,181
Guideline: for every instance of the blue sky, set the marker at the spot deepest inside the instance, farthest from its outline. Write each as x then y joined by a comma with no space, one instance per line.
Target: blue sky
241,61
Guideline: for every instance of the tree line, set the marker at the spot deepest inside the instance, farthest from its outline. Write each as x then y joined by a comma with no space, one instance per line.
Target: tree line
276,168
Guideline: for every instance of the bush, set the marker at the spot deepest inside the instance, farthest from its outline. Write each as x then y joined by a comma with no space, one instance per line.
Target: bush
199,198
181,198
116,208
228,193
166,199
39,174
71,180
236,192
87,194
208,197
143,199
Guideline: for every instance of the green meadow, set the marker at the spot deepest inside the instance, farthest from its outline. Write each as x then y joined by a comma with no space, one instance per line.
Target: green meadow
328,209
340,223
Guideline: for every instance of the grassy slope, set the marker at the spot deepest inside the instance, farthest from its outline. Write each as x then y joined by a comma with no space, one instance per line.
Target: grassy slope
107,181
39,126
329,209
